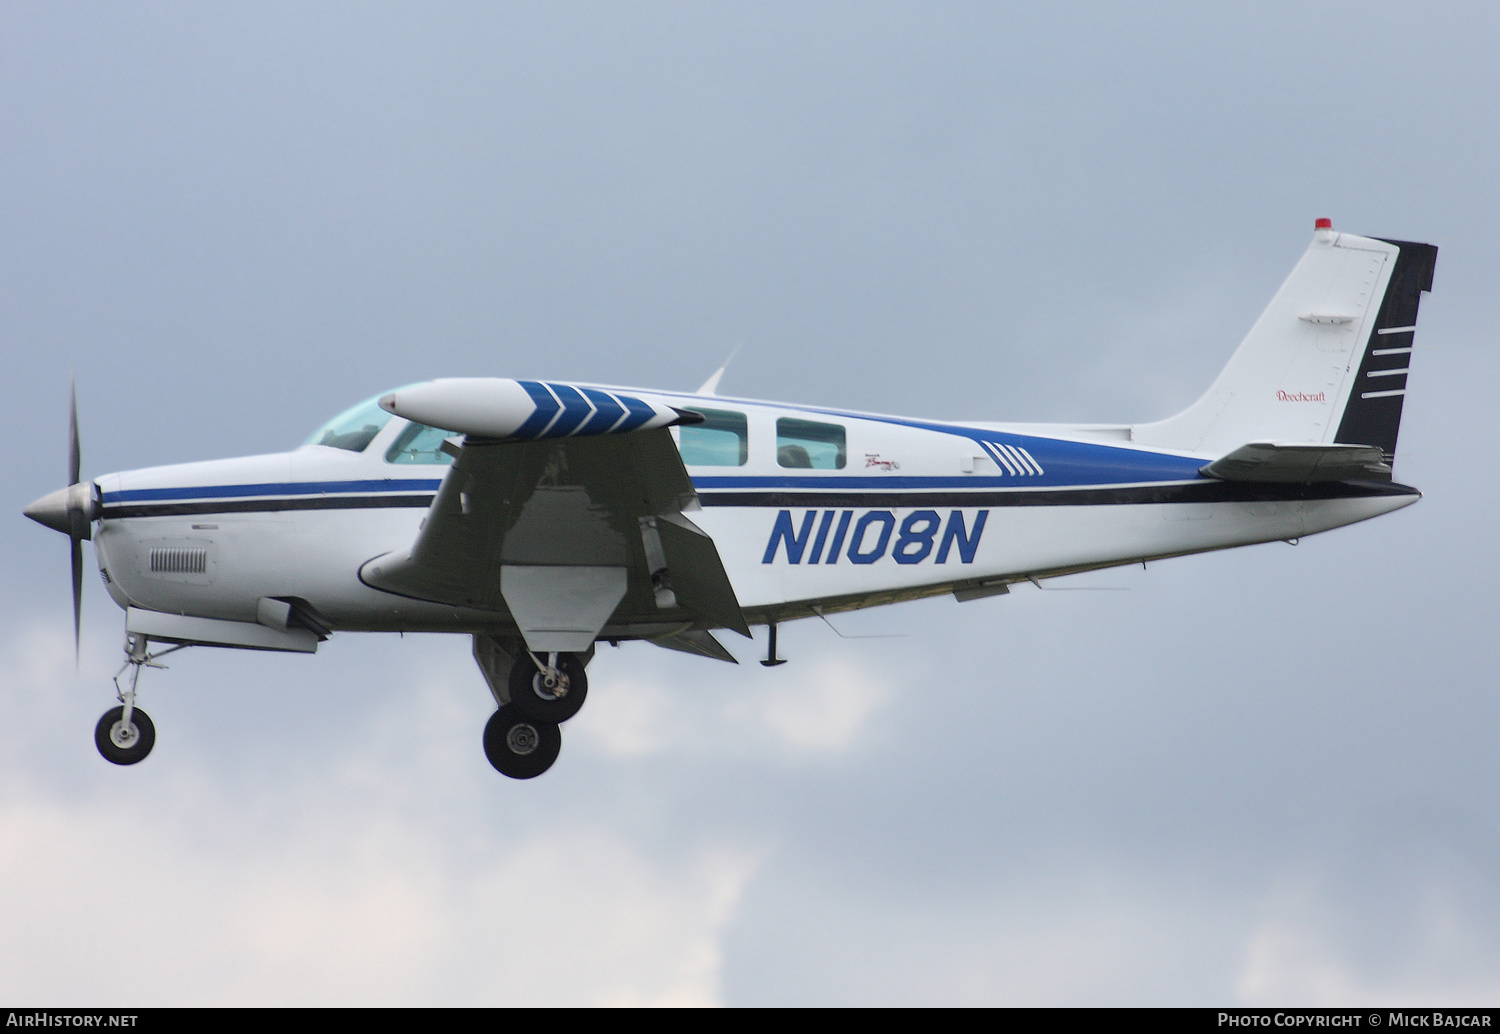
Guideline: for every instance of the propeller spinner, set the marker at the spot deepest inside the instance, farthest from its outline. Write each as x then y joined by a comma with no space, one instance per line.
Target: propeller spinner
72,511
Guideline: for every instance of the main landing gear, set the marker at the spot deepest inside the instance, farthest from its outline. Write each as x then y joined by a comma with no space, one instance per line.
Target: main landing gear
550,693
520,746
536,693
126,734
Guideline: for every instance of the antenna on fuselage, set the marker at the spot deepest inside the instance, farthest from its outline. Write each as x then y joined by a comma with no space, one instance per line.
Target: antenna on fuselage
873,635
711,386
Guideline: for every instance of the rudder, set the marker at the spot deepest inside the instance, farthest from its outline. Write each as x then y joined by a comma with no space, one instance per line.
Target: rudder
1372,416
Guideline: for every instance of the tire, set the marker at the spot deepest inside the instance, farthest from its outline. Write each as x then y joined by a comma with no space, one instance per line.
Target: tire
106,734
518,745
528,692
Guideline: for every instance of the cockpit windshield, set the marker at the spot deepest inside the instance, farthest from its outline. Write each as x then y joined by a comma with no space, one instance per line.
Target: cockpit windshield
418,443
353,429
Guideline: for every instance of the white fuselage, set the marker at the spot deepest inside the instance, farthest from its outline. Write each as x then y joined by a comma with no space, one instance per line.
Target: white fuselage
915,508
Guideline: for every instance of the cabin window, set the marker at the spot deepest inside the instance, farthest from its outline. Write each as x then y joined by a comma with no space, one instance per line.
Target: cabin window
419,443
810,445
722,440
354,429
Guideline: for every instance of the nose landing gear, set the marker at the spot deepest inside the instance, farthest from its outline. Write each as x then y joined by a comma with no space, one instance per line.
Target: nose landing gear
126,734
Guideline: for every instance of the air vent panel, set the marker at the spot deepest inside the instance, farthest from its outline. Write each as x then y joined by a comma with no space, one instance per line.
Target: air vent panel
179,560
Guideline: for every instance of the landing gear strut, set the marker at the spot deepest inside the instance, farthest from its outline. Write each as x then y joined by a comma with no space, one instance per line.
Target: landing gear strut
126,734
535,692
548,687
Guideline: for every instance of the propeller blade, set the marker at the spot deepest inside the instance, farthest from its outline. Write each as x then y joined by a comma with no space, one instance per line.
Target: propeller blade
74,456
75,464
77,595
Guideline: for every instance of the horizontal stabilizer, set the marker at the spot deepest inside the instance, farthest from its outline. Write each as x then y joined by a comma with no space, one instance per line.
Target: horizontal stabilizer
1300,463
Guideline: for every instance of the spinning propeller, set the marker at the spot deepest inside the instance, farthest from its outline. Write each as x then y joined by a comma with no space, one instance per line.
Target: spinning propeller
71,511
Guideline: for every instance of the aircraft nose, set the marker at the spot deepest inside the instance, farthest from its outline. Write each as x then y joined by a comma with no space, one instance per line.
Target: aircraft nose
62,509
51,510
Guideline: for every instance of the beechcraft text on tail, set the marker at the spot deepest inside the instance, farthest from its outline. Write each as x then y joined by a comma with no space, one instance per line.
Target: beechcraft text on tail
541,517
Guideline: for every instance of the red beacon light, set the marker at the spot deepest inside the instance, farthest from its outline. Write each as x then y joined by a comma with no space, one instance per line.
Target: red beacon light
1323,224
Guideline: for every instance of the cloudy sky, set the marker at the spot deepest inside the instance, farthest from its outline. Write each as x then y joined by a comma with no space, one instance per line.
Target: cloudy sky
1265,776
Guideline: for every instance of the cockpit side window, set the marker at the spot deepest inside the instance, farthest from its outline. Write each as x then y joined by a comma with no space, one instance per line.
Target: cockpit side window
418,443
722,440
354,429
810,445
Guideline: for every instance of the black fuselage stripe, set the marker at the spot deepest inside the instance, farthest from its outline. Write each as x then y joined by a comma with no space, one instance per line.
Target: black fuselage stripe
1200,492
342,502
1197,492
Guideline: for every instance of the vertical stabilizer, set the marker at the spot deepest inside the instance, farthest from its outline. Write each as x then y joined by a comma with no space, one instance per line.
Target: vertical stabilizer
1325,362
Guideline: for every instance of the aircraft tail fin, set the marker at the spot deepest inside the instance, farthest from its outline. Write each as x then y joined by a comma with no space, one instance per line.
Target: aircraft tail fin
1327,360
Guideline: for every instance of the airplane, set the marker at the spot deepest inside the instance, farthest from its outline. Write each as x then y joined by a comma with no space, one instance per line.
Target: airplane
542,518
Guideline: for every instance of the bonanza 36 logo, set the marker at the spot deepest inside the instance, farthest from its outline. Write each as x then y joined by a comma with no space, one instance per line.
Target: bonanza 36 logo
827,536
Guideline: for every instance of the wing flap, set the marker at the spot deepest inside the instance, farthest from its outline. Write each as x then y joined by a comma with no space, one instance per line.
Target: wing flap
698,576
697,641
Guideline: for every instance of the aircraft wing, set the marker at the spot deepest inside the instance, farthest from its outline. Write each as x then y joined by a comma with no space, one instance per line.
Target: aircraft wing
1300,463
568,535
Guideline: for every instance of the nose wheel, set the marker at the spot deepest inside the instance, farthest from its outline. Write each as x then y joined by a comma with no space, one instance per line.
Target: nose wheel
518,745
124,741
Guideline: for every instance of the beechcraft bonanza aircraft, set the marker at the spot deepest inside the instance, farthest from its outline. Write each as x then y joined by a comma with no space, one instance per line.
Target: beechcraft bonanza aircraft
541,518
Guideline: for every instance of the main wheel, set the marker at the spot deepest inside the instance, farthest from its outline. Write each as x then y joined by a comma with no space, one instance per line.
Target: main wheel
518,745
555,703
124,744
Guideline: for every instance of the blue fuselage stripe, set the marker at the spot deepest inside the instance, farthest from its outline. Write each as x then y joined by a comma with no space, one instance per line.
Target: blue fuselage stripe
898,483
827,482
833,483
309,496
